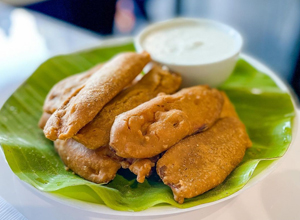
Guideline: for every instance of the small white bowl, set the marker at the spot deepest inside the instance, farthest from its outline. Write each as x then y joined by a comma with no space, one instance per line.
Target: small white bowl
212,73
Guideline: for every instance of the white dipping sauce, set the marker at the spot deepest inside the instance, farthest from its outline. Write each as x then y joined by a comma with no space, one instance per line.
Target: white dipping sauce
189,44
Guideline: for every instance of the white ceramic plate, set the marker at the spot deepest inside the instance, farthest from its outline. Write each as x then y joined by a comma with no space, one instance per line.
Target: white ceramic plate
56,201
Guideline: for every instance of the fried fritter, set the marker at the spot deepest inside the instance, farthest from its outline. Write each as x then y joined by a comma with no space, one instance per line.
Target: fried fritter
102,164
66,88
228,108
202,161
99,166
62,90
155,81
158,124
99,89
96,133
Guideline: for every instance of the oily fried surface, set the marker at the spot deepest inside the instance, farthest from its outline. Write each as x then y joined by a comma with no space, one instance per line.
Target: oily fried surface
99,89
61,92
142,167
202,161
156,125
99,166
97,132
228,109
65,88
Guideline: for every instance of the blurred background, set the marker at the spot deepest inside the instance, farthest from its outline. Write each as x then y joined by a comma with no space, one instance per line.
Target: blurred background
271,28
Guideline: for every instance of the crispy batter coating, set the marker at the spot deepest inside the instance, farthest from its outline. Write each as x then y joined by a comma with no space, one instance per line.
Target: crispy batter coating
62,90
99,89
155,81
142,167
99,166
97,132
66,88
228,108
158,124
203,161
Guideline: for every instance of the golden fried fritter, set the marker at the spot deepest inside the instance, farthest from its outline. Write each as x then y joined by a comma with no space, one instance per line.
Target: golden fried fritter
66,88
99,89
202,161
99,166
156,125
96,133
228,108
61,92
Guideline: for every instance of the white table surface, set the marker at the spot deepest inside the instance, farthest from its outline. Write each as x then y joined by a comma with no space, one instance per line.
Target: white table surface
277,197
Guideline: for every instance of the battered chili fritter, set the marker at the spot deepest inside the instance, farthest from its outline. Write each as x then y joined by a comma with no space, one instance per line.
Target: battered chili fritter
61,92
156,125
98,90
87,163
66,88
129,127
98,166
203,161
96,133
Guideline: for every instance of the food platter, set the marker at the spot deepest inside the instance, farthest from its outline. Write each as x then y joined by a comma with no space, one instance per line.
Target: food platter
161,210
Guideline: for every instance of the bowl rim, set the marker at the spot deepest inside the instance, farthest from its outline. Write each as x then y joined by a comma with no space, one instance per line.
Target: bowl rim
238,38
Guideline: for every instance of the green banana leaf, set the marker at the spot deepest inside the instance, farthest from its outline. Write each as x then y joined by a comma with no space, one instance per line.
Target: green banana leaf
266,111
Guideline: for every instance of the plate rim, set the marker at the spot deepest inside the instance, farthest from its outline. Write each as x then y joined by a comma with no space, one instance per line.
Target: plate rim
168,209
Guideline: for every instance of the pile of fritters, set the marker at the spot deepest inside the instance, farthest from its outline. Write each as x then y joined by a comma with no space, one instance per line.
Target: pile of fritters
105,119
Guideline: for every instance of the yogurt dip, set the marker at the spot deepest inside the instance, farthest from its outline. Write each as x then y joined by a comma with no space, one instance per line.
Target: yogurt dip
202,51
193,43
